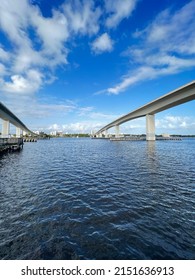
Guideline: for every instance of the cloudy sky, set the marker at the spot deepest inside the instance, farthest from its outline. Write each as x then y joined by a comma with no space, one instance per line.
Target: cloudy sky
75,65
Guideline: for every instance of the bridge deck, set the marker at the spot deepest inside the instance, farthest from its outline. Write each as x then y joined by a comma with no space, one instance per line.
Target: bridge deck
7,115
179,96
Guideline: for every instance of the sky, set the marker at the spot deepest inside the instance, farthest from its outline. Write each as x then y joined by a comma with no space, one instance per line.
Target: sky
76,65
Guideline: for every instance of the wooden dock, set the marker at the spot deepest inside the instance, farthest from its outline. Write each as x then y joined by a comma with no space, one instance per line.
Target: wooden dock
10,144
142,138
128,138
29,139
169,138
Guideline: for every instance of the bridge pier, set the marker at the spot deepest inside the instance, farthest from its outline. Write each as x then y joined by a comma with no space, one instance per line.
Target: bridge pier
117,131
19,132
150,127
106,133
5,129
99,135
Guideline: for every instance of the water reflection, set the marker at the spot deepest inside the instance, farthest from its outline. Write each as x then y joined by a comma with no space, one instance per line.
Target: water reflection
151,149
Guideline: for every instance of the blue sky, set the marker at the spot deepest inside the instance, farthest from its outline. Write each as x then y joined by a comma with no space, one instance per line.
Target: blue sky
74,66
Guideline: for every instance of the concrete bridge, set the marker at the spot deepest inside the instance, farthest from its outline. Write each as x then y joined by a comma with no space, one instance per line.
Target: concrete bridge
8,117
181,95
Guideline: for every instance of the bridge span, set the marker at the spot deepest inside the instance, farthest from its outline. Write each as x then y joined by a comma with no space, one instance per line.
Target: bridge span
179,96
8,117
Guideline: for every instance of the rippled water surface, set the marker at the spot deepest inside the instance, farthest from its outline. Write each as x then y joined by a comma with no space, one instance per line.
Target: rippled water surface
96,199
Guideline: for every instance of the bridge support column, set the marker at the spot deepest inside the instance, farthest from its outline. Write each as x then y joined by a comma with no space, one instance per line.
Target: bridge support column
106,133
18,132
117,131
99,135
5,129
150,127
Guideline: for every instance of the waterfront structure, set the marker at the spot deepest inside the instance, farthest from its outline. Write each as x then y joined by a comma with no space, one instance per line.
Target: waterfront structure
6,141
179,96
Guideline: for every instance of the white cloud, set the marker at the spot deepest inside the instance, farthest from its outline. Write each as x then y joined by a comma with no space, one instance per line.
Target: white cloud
26,58
144,72
2,70
83,111
4,55
118,10
55,127
91,113
175,122
174,32
82,16
135,124
31,54
29,83
39,43
14,17
52,32
81,127
167,47
90,120
56,109
103,116
102,44
77,127
30,109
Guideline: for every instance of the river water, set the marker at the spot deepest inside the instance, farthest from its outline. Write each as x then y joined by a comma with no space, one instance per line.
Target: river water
96,199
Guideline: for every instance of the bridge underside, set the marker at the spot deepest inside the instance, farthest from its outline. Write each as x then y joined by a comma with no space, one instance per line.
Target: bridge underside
9,118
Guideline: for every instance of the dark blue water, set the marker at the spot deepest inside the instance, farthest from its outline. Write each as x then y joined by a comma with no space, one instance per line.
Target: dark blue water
96,199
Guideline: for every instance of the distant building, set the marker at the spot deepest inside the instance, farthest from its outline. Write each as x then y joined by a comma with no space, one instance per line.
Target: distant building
56,133
53,133
60,133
